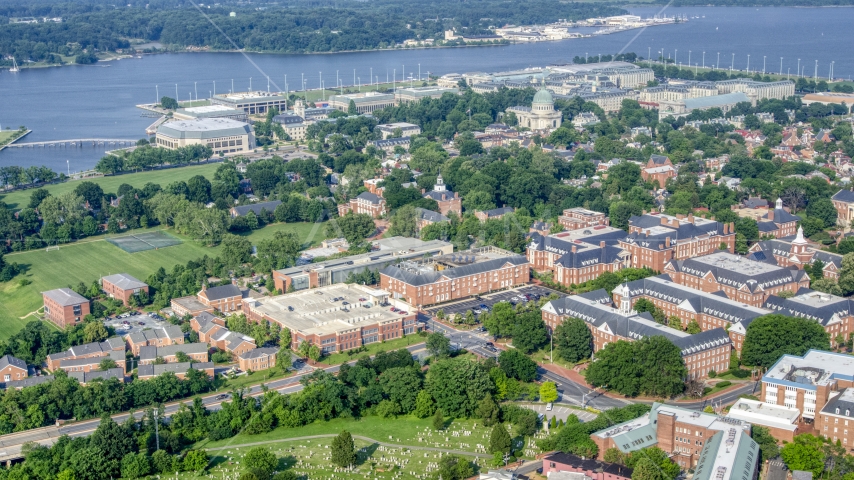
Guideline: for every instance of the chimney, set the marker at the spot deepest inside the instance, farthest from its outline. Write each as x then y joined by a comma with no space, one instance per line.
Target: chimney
423,191
574,249
601,243
726,229
665,221
691,217
770,215
647,233
679,216
667,242
456,195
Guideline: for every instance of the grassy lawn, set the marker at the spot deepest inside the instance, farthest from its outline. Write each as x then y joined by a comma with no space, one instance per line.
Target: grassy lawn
308,233
374,348
194,103
91,259
7,134
255,378
406,430
311,459
543,356
20,198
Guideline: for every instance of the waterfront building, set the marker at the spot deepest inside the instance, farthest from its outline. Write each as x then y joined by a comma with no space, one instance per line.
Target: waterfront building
222,135
415,94
336,317
253,103
717,448
540,115
366,102
210,111
383,253
455,276
682,108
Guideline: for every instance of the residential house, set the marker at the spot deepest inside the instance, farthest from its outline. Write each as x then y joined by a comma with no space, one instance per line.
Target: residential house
448,201
198,352
256,208
257,359
157,337
367,203
494,214
12,368
179,369
225,298
87,350
658,169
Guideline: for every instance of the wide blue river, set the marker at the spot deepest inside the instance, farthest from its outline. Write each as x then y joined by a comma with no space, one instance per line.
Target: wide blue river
99,101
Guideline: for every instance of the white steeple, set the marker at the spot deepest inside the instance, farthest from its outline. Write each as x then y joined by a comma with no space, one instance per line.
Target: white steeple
799,238
779,204
440,184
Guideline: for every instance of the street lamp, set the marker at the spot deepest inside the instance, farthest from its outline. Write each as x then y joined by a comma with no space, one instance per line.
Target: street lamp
763,64
781,65
704,60
157,429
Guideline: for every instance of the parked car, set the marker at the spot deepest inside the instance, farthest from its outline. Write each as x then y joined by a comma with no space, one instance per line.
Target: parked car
549,406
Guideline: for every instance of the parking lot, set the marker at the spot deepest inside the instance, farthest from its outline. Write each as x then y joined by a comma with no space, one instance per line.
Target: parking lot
489,300
133,324
562,412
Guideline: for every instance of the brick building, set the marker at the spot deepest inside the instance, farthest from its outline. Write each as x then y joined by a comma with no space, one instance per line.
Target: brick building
596,470
424,217
494,214
180,369
796,252
702,352
658,169
92,363
574,262
87,350
654,239
835,314
808,383
778,223
446,280
198,352
843,200
709,310
448,201
12,368
575,218
740,278
65,307
336,318
225,298
122,286
716,447
367,203
257,359
156,337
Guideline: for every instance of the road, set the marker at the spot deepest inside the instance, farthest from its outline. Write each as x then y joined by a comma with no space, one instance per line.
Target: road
10,445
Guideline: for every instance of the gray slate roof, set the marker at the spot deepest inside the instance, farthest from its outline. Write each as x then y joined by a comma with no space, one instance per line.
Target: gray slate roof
497,212
170,331
845,195
430,215
7,360
152,352
223,291
87,377
65,297
114,355
370,197
259,352
590,256
29,381
825,309
124,281
427,278
176,368
257,207
738,279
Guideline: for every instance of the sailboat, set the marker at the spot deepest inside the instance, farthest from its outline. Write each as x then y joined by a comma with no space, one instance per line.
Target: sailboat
14,68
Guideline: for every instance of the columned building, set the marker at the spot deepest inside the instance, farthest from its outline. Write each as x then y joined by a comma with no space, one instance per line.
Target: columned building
540,115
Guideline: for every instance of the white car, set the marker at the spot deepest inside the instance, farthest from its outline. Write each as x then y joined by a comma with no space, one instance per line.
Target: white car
549,407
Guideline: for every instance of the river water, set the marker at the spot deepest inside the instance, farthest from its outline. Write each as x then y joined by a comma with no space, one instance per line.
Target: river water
99,101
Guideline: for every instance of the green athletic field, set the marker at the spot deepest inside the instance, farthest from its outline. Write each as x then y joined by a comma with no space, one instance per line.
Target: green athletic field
20,198
91,259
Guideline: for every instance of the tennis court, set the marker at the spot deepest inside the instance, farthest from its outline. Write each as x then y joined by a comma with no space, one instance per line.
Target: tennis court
144,241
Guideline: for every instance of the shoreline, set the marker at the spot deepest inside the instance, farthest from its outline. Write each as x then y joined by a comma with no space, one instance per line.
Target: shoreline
102,63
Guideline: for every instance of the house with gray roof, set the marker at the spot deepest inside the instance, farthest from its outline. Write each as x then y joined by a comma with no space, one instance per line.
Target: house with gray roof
258,359
179,369
65,307
87,350
91,363
122,286
494,214
168,335
104,375
12,368
367,203
256,208
198,352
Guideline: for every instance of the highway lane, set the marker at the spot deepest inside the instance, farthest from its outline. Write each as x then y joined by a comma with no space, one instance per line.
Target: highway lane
10,444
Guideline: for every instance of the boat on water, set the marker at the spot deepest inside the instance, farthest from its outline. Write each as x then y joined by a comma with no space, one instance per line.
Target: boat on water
14,68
